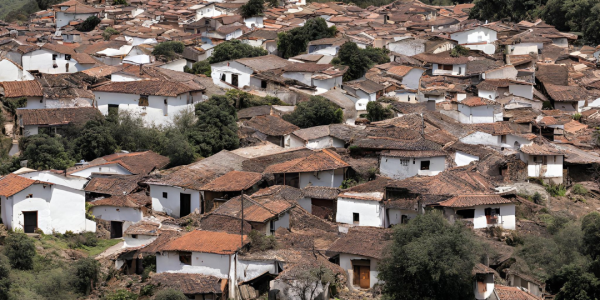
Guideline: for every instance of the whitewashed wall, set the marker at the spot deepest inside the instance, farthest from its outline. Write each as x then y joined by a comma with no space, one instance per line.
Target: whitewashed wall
41,60
489,284
463,159
171,204
346,264
250,269
506,218
141,240
329,178
481,138
371,213
525,91
394,216
392,167
459,69
553,169
412,79
114,213
64,18
476,35
110,168
11,72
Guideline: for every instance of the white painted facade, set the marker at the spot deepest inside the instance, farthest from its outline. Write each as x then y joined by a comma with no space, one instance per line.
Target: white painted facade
12,72
457,70
250,269
481,138
114,168
412,79
552,170
463,159
64,18
114,213
401,168
160,109
394,216
256,22
346,264
506,219
371,212
41,60
478,114
224,72
135,41
171,204
489,288
318,143
175,65
475,35
327,178
138,241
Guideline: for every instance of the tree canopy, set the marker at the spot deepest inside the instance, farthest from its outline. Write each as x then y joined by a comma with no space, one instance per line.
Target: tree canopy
359,61
95,140
376,112
235,50
200,67
168,49
429,259
216,126
89,24
252,8
45,152
315,112
293,42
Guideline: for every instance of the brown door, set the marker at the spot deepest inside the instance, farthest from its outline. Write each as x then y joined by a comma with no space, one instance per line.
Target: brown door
31,221
365,277
356,277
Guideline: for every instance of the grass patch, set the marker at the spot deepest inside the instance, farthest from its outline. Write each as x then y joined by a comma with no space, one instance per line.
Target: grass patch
49,241
102,245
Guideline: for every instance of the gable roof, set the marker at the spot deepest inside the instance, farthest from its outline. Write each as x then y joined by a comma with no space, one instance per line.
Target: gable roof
233,181
474,200
57,116
318,161
146,87
255,210
264,63
12,184
114,185
27,88
512,293
207,242
131,200
136,162
364,241
271,125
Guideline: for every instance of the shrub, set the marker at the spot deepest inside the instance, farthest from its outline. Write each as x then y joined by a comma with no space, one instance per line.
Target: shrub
537,198
147,290
89,24
121,295
119,2
261,242
556,189
87,239
168,49
5,281
86,275
20,250
576,116
170,294
459,51
579,189
201,67
355,149
376,112
108,32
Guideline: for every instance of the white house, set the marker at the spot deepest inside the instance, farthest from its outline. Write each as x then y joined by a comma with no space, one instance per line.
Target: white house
360,258
360,209
494,88
203,252
478,38
484,281
256,22
481,210
504,72
323,168
364,90
238,72
32,121
141,233
322,76
410,76
72,10
567,98
121,211
30,204
543,161
53,59
157,101
400,164
445,64
318,137
12,71
475,110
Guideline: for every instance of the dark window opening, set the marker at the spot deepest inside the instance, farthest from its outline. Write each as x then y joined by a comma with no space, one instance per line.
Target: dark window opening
356,218
466,213
185,258
272,226
234,79
67,56
134,236
223,78
165,194
113,110
425,165
144,100
446,67
491,215
54,56
263,84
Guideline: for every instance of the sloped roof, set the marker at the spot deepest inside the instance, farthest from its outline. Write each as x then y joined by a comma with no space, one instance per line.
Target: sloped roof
566,92
553,74
258,210
321,192
207,242
540,149
474,200
131,200
264,63
12,184
513,293
271,125
57,116
190,284
137,162
27,88
319,161
233,181
363,241
477,101
114,185
146,87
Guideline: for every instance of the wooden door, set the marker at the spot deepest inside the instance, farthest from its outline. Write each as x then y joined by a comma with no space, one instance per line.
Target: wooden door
116,229
31,221
185,205
356,277
365,277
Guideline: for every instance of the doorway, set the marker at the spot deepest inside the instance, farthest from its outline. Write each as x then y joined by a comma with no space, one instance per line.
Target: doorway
234,79
30,221
185,205
116,229
362,273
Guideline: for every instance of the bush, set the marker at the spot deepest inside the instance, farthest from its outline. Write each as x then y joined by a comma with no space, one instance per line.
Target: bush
537,198
170,294
5,281
147,290
579,189
89,24
459,51
20,250
87,239
119,2
315,112
168,49
108,32
576,116
201,67
261,242
87,271
121,295
556,190
376,112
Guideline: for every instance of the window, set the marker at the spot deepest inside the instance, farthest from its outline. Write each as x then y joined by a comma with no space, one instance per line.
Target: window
356,218
134,236
185,258
68,56
29,196
272,226
503,139
445,67
54,56
425,165
143,100
404,161
165,195
263,84
491,215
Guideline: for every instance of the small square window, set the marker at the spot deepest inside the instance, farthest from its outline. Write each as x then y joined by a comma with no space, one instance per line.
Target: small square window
134,236
143,100
356,218
54,56
425,165
68,56
165,195
185,258
404,162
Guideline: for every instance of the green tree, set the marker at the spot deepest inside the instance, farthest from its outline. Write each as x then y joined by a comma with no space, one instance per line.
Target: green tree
121,295
590,225
170,294
252,8
459,50
178,149
315,112
581,285
168,49
44,152
235,50
20,250
216,126
119,2
273,3
108,32
96,140
200,67
89,24
295,41
376,112
359,60
429,259
5,281
86,275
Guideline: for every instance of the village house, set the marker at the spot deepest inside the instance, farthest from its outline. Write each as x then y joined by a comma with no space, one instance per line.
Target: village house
13,71
52,59
362,205
272,129
494,88
262,38
232,184
484,281
194,286
319,137
238,73
203,252
121,211
320,201
322,76
360,262
412,46
478,38
123,163
567,98
365,91
52,120
326,46
197,53
30,205
73,10
141,233
156,101
482,211
475,110
321,168
544,161
400,164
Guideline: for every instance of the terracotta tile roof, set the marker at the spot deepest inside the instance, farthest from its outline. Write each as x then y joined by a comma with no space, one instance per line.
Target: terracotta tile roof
233,181
442,58
146,87
114,185
319,161
131,200
164,237
264,63
552,74
385,143
12,184
255,210
57,116
28,88
482,269
214,222
474,200
190,284
271,125
282,192
540,149
372,242
144,228
399,71
138,163
307,67
566,92
207,242
574,126
312,133
320,192
250,112
477,101
513,293
494,84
